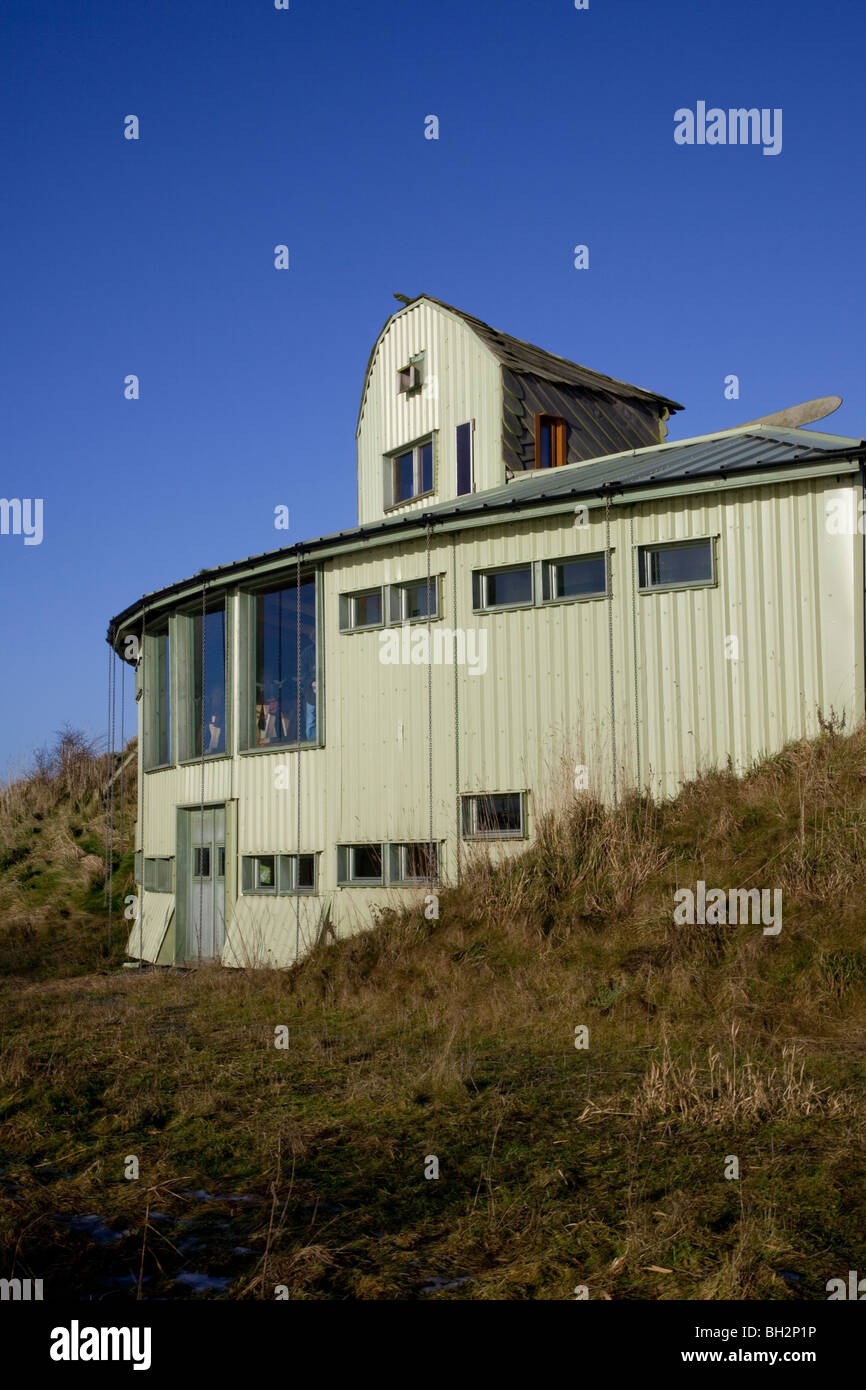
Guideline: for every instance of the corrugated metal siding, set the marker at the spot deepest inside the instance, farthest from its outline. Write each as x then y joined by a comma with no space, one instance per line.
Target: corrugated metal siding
789,592
465,385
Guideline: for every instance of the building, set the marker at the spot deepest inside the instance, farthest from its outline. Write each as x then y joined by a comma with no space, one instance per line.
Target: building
542,596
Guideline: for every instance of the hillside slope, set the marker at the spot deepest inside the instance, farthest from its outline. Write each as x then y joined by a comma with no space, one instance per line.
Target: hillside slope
304,1166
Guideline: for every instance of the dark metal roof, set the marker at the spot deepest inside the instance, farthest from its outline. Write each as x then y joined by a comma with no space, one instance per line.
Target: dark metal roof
526,357
749,450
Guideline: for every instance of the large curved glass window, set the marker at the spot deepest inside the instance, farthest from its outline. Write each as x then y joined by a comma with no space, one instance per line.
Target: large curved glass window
286,666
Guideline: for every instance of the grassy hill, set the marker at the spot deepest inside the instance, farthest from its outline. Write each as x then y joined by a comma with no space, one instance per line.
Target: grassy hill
304,1167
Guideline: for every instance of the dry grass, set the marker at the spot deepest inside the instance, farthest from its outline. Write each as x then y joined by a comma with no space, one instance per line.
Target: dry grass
455,1038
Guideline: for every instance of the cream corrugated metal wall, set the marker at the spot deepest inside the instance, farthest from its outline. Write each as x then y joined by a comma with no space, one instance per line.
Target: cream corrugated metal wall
787,591
462,382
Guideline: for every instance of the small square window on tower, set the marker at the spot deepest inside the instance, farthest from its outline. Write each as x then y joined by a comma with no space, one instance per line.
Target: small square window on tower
411,377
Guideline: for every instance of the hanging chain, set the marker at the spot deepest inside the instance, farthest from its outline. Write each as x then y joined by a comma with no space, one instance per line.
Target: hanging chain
109,794
610,646
201,783
140,787
634,645
456,699
297,872
122,747
432,869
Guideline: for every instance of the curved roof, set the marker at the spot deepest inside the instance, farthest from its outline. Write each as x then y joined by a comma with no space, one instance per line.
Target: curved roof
520,356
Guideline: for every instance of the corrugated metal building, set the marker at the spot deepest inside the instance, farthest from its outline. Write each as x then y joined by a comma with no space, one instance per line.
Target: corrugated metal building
542,596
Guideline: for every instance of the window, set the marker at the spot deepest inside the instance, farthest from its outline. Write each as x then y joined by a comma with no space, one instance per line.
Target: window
681,564
408,602
284,707
157,673
209,686
550,441
157,875
502,588
361,864
361,610
465,481
201,861
279,873
409,473
413,863
498,816
410,378
221,861
581,576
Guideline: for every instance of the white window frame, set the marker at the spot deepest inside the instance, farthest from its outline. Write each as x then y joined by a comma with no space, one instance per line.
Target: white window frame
479,588
347,609
285,882
390,459
642,553
346,877
398,856
548,577
469,801
395,596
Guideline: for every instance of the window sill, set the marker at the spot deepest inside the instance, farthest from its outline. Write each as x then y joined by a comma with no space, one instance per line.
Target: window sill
208,758
499,835
677,588
303,747
508,607
577,598
407,501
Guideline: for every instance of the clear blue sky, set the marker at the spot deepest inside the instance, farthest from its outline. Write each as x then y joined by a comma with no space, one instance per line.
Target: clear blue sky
306,127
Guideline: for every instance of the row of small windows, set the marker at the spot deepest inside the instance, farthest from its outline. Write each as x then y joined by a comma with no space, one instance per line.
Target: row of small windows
389,603
279,675
685,564
485,816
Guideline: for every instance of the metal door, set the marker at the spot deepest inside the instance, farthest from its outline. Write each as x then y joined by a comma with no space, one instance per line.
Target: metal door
207,882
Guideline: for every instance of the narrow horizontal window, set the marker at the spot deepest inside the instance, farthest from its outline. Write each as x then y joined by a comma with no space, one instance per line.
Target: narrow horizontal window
359,864
583,576
361,610
279,874
413,862
157,875
679,565
494,816
502,588
408,602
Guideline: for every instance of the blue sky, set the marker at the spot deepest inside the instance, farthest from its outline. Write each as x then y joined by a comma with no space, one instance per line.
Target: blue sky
306,127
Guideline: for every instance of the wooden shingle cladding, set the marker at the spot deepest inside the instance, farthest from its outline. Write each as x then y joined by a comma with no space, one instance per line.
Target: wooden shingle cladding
596,424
